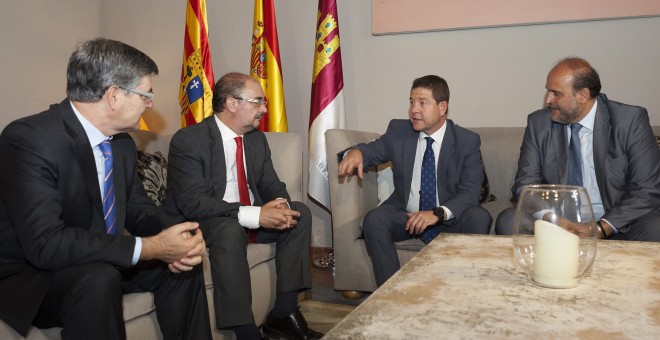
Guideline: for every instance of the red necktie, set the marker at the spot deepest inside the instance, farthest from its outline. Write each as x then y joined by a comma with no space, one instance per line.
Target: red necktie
243,193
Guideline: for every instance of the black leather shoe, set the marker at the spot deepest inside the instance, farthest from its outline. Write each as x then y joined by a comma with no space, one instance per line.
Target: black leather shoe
292,327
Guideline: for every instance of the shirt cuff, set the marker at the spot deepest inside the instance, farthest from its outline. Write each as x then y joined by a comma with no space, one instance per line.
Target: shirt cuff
248,216
616,231
448,214
137,250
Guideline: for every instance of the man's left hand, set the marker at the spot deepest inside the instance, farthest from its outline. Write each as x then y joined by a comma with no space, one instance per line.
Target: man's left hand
419,221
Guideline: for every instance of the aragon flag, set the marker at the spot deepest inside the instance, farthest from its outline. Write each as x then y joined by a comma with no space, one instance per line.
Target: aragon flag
265,65
327,104
196,90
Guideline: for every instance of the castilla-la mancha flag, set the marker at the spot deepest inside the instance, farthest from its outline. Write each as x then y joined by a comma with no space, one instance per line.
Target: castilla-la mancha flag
265,65
196,90
327,104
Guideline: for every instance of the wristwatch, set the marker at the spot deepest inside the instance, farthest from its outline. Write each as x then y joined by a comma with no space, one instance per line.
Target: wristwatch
440,213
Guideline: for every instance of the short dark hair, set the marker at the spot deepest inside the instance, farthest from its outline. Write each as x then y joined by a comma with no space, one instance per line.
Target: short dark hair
97,64
584,76
229,86
437,85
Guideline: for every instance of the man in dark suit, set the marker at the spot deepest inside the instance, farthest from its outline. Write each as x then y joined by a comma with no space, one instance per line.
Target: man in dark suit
221,174
65,259
442,196
619,156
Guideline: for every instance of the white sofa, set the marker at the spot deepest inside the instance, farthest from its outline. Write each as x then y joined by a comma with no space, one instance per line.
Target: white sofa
139,309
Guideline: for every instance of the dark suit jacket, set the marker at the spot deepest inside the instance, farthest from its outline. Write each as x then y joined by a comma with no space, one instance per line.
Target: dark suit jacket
51,215
459,171
197,175
626,159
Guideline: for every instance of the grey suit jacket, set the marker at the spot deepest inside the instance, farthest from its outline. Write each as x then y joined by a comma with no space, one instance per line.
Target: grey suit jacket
626,158
197,176
459,171
51,215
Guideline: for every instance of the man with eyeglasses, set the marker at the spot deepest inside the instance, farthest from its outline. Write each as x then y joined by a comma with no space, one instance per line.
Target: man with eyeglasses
221,174
69,191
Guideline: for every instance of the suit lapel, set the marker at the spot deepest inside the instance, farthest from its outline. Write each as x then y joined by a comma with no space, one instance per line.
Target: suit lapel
447,150
84,156
559,147
602,129
250,150
409,151
218,164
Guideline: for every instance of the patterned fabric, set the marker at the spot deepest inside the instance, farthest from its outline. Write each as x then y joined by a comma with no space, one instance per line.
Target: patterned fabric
575,157
152,169
657,141
427,192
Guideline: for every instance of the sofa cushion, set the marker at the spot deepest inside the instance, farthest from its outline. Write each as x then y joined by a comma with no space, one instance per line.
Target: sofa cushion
136,305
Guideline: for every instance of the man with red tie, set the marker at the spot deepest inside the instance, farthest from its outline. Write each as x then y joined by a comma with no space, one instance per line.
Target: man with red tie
221,174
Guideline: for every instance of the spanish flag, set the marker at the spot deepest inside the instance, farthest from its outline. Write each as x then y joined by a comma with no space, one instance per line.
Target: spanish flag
327,104
196,90
265,65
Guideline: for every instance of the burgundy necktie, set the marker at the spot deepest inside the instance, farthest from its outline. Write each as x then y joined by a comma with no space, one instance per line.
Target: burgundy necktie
243,193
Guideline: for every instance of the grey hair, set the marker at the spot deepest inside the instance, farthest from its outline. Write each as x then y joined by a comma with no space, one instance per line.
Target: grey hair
97,64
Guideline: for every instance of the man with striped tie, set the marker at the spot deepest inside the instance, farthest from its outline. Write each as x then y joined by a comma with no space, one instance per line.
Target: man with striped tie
69,190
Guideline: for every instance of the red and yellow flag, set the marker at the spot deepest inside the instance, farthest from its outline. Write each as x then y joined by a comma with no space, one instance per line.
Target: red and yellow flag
327,104
196,90
265,65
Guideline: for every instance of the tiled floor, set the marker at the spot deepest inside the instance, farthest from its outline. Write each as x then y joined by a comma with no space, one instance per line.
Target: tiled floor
323,284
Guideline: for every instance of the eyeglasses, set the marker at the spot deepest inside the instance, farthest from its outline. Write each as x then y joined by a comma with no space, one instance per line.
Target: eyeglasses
263,102
147,96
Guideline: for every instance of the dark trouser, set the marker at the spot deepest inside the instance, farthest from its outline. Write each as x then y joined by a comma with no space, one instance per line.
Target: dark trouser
385,225
227,243
86,301
646,228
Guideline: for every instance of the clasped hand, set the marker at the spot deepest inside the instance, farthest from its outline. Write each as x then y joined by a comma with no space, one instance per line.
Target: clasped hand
181,246
276,214
579,229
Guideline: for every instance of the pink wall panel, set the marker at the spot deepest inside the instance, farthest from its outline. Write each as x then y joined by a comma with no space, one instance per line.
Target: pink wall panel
400,16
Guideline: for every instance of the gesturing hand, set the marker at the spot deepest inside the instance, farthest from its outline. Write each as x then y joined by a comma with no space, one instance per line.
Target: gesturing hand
352,161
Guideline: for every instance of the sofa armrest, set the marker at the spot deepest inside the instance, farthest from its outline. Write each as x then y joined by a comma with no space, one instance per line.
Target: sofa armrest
350,197
286,154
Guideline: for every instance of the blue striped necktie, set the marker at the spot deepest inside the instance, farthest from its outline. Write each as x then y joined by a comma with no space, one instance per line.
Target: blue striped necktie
109,211
427,187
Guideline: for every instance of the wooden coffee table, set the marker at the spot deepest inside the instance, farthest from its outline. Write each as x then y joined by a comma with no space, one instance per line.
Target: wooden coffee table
468,286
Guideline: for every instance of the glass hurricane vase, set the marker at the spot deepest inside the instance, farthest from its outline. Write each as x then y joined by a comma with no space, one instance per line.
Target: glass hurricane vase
554,234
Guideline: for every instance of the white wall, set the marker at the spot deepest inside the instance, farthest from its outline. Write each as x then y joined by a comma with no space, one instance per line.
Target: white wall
496,75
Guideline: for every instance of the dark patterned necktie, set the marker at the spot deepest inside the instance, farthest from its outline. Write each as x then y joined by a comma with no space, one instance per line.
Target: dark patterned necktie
109,211
427,195
575,157
243,193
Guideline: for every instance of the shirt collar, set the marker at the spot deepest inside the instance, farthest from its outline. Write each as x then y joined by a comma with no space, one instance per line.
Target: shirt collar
94,135
225,131
438,135
590,118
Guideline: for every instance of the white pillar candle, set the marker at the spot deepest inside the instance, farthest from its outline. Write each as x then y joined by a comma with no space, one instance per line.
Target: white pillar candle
555,255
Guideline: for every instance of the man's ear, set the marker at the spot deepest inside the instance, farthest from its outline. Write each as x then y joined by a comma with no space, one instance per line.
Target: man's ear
443,107
583,95
231,104
111,96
